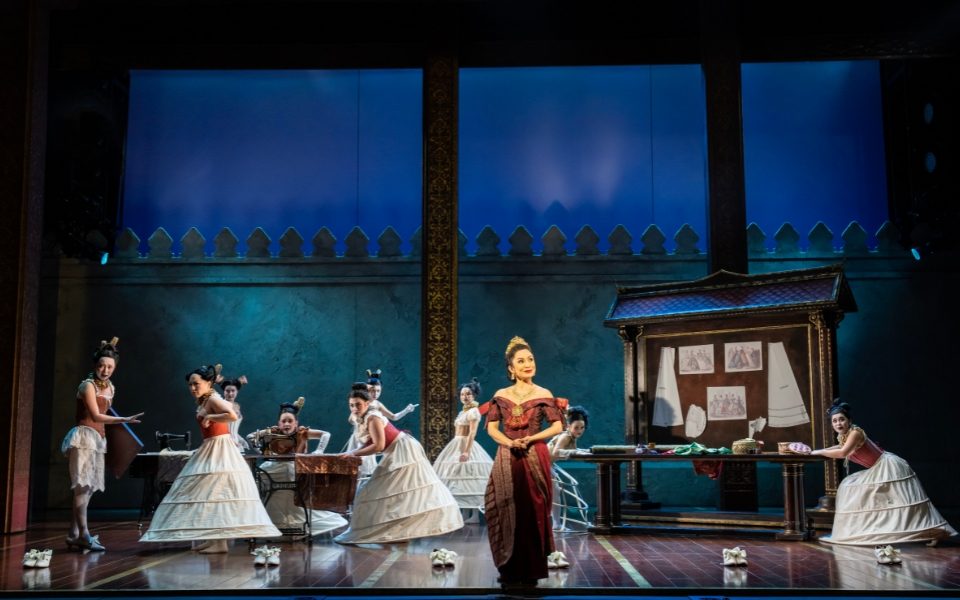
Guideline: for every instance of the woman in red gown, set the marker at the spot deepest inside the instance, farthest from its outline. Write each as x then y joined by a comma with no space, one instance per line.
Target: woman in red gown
519,494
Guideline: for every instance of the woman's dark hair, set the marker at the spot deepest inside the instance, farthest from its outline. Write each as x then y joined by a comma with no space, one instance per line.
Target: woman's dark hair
359,390
107,350
578,413
237,382
206,372
373,377
473,385
291,407
839,407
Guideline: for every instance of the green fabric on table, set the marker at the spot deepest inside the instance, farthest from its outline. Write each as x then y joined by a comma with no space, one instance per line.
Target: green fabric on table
695,448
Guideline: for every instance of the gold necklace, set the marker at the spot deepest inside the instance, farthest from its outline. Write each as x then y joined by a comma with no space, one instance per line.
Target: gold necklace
842,437
204,398
101,384
522,397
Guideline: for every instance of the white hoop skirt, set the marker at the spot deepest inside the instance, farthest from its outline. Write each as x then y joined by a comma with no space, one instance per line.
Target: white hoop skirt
214,497
467,480
402,500
885,504
283,510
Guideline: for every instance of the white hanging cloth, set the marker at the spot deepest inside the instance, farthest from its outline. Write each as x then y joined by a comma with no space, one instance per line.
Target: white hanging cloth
755,426
785,404
666,404
696,421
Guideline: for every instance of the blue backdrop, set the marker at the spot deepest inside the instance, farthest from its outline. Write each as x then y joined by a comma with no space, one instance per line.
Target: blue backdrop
538,147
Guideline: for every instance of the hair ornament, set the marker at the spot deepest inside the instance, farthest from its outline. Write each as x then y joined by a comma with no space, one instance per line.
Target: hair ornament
514,342
838,407
292,407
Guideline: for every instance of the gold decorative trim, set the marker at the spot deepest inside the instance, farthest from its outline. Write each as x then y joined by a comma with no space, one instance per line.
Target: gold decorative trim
439,242
628,568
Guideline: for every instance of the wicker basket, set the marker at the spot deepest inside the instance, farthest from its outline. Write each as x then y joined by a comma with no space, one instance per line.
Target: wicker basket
745,446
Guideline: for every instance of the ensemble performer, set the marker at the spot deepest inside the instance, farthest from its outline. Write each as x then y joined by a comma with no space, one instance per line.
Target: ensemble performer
86,443
374,387
231,389
519,494
281,507
565,485
883,504
463,465
215,497
403,499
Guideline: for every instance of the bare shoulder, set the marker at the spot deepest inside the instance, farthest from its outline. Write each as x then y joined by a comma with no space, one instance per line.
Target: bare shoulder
544,392
502,392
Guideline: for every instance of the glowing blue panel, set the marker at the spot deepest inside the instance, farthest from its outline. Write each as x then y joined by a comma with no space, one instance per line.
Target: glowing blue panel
813,146
588,145
274,149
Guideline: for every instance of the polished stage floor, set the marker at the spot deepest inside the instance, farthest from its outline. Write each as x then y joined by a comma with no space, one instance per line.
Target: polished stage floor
647,565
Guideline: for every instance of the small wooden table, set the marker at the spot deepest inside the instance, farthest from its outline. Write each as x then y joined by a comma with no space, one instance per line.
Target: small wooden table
608,486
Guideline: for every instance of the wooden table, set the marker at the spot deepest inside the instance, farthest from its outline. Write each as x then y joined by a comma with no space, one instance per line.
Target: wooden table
608,486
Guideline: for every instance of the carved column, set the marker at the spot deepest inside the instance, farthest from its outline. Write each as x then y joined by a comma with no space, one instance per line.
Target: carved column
726,204
824,338
23,104
438,343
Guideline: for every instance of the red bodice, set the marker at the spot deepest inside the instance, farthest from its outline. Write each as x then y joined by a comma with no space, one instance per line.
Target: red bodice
524,419
390,434
214,429
104,399
867,454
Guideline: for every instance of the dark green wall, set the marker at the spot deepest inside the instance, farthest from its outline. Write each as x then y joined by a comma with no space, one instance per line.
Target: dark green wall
310,327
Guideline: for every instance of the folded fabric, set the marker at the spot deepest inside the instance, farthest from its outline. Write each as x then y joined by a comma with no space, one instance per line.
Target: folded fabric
695,448
799,448
710,468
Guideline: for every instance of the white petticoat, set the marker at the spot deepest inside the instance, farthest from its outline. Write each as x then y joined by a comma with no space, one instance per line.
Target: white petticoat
283,510
467,480
402,500
214,497
885,504
84,449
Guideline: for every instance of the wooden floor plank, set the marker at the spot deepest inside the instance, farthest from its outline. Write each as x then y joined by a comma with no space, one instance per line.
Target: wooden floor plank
667,562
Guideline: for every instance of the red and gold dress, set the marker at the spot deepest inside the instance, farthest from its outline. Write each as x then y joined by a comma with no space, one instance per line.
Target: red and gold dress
520,492
883,504
213,497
